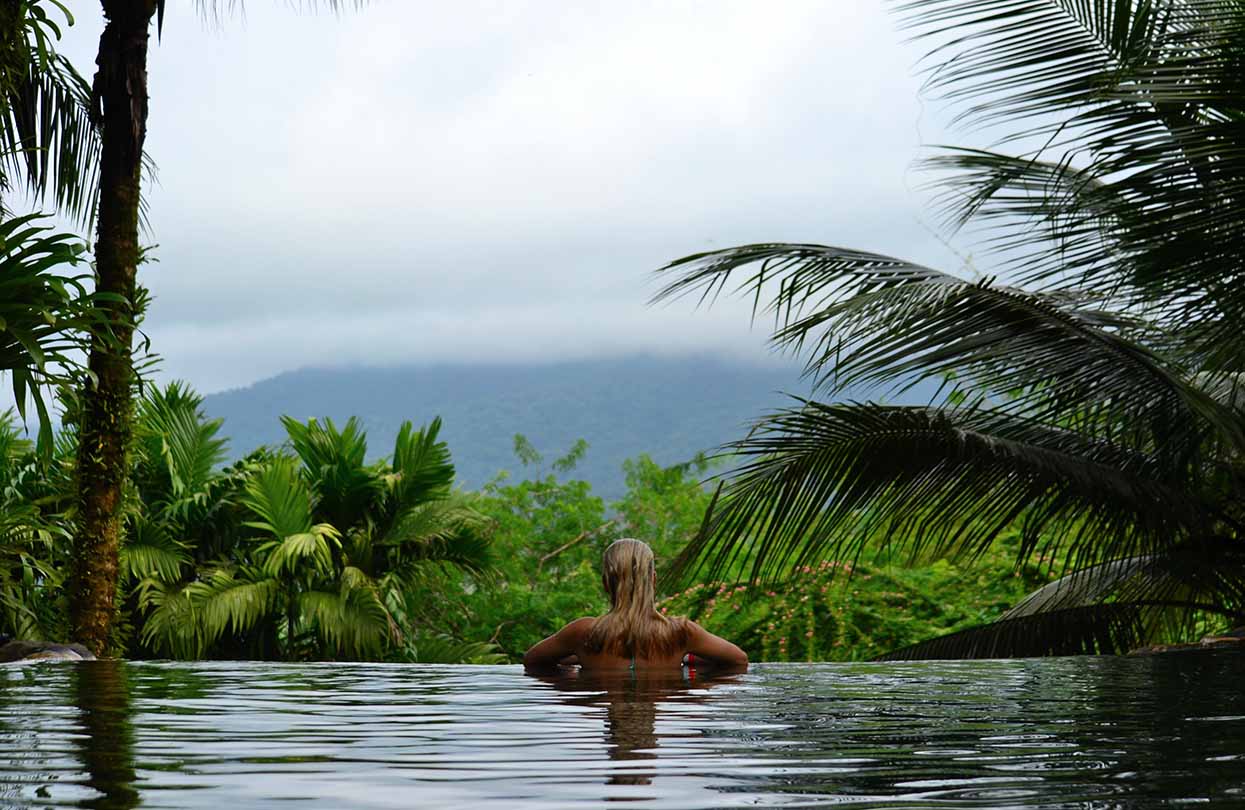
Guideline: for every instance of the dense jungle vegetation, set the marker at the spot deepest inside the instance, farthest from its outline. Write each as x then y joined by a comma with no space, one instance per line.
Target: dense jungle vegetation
1093,425
307,551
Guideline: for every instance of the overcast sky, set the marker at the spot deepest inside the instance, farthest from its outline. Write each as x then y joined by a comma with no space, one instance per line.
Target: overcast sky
423,182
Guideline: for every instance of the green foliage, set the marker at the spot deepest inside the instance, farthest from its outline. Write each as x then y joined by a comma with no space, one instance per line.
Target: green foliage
664,506
314,554
1110,440
832,611
32,540
47,143
44,316
547,544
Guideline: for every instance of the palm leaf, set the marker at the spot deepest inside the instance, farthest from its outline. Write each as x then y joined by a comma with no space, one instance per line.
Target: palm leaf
449,531
150,552
864,318
179,441
44,316
1111,628
280,498
290,552
422,469
429,648
351,621
827,479
232,601
1144,99
333,462
48,144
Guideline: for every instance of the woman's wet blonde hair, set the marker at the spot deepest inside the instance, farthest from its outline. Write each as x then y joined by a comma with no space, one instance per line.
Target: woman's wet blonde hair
633,628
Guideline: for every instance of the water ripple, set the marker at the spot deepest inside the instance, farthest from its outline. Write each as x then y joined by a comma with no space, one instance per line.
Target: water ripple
1087,732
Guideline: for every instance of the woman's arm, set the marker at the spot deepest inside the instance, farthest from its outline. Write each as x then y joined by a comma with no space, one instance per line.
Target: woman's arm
715,649
560,645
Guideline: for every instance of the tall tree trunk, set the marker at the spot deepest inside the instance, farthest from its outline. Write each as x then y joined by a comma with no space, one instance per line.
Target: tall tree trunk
119,98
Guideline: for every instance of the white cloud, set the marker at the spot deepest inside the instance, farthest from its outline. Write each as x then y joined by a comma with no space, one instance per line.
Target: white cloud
417,182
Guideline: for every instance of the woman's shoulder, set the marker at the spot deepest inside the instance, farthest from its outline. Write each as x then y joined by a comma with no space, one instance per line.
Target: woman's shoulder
580,627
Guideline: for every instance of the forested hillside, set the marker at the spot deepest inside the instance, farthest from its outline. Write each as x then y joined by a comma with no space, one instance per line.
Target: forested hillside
670,408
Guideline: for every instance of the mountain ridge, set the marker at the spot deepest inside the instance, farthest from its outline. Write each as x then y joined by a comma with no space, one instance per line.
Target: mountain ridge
668,407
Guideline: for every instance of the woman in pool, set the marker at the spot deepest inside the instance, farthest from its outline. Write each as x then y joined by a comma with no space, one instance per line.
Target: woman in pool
633,635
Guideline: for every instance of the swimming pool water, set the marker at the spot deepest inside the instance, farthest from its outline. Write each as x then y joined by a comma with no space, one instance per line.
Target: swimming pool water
1074,732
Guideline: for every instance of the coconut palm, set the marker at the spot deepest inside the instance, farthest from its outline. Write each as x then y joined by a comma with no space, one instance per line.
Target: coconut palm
1094,399
119,102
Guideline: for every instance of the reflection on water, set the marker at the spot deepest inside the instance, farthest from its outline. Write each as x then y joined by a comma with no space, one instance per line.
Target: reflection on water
631,706
101,691
1088,732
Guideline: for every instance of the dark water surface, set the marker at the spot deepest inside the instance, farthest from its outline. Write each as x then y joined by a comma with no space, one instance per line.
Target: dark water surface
1079,732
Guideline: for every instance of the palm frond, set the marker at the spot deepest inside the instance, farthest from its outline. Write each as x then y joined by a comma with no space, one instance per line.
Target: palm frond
150,552
179,441
44,316
1198,572
449,531
280,498
1025,58
827,479
1095,629
1112,607
422,470
291,551
47,141
217,10
1142,164
430,648
232,601
334,463
351,621
863,318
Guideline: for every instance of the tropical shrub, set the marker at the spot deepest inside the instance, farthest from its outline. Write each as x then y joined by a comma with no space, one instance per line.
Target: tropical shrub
310,554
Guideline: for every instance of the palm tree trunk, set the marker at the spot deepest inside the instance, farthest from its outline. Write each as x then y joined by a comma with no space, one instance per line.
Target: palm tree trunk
119,99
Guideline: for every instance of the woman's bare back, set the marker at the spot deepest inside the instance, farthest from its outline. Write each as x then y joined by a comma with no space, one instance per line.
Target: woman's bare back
568,643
